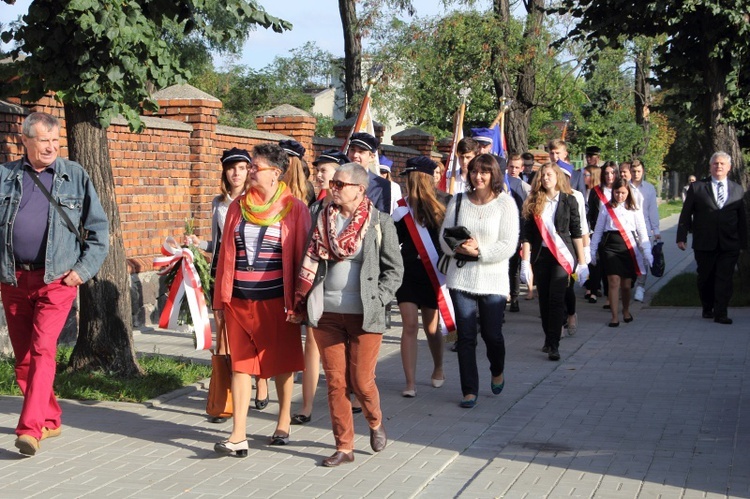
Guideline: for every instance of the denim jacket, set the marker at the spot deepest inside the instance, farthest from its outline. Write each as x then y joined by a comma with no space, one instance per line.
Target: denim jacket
72,188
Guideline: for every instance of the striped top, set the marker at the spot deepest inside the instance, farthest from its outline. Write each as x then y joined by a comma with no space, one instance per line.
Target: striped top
258,273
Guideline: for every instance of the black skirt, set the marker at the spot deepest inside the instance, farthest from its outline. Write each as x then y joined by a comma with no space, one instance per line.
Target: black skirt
616,256
416,286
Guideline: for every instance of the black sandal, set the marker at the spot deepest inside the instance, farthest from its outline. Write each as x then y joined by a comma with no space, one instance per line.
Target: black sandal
301,419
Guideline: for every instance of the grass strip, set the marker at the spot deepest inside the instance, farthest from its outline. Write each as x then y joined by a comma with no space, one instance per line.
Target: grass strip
163,374
682,291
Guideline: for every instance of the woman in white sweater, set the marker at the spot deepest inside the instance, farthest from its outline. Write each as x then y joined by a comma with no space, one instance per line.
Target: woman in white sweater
480,286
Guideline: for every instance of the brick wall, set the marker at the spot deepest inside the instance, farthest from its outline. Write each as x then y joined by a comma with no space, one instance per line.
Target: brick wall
171,171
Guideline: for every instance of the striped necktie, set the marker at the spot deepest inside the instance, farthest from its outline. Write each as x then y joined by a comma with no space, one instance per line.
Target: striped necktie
720,194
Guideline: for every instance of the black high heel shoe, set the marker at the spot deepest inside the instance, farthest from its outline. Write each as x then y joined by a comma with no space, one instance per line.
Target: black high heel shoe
226,447
261,404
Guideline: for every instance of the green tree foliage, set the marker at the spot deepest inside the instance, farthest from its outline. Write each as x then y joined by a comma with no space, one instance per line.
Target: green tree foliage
702,63
101,58
104,54
429,60
246,92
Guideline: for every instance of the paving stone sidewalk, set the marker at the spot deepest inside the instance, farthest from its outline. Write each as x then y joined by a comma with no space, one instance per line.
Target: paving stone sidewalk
659,407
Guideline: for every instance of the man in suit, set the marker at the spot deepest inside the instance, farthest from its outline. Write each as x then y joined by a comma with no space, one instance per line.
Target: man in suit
362,149
715,211
528,167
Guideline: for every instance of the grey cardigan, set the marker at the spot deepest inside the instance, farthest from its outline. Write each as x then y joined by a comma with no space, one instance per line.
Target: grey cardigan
380,276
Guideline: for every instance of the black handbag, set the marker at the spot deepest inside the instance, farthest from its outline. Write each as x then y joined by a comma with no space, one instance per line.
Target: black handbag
455,237
657,251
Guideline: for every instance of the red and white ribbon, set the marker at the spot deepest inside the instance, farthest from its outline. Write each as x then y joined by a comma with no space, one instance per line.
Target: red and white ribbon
186,284
429,257
555,244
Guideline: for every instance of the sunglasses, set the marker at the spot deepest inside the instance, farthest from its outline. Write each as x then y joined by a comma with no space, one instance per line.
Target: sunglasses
338,184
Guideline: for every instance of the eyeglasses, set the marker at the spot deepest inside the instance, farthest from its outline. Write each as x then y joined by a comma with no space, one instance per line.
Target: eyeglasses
257,168
338,184
586,174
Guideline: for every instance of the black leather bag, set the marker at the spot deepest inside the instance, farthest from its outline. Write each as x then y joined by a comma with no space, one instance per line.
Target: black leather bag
456,236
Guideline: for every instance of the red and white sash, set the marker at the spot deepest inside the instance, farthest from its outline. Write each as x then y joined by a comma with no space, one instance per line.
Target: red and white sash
556,245
630,241
600,194
429,257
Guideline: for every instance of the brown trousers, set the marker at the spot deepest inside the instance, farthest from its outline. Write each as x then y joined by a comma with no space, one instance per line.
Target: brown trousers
349,357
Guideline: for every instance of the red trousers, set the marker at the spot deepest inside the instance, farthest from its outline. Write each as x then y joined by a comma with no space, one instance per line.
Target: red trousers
350,353
36,313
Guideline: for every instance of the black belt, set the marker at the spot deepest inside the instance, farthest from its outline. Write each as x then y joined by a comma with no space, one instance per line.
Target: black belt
29,266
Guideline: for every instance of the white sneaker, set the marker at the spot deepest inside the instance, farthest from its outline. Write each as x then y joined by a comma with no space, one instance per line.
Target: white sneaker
639,293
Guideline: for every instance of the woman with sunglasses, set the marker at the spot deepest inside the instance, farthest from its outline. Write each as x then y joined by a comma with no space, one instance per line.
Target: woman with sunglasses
350,271
599,196
261,247
479,288
235,164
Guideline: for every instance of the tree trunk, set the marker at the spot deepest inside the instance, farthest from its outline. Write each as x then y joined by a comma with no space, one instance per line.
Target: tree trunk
642,96
352,54
518,117
105,338
721,136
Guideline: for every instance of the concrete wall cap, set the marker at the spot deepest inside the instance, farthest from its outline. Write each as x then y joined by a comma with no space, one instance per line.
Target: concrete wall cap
8,108
253,134
156,123
182,92
285,110
411,132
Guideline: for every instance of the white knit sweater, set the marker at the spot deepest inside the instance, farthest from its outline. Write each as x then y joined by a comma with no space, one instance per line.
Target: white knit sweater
495,227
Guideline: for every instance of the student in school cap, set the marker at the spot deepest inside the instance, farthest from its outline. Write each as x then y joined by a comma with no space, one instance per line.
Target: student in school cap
385,164
421,164
331,156
365,141
235,154
293,148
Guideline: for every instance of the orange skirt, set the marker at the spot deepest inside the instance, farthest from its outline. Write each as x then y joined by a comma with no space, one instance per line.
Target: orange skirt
261,340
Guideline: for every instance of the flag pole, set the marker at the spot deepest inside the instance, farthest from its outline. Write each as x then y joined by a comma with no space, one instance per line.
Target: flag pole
375,72
457,132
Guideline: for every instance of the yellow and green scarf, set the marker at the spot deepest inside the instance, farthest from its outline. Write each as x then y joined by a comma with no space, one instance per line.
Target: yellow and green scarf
267,213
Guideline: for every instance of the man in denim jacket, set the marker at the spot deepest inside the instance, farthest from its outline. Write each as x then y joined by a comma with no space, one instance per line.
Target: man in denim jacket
42,264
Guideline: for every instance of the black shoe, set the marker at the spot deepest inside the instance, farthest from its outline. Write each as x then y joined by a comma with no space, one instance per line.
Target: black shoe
301,419
554,354
378,439
338,458
708,314
261,404
723,320
546,349
514,306
215,419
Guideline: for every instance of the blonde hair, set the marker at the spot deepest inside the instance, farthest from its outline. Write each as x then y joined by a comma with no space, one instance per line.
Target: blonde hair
534,204
295,178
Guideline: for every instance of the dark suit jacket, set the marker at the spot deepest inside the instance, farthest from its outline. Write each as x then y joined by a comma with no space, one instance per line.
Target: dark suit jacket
567,223
722,229
379,192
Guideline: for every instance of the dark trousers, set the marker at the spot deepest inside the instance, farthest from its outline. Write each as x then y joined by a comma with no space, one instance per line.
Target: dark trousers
715,271
514,273
570,298
551,282
475,312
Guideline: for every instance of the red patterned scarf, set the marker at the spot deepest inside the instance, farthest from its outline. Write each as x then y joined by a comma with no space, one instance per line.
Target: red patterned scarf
325,244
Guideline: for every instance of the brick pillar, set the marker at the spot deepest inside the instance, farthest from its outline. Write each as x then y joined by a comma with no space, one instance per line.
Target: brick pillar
189,105
414,138
293,122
